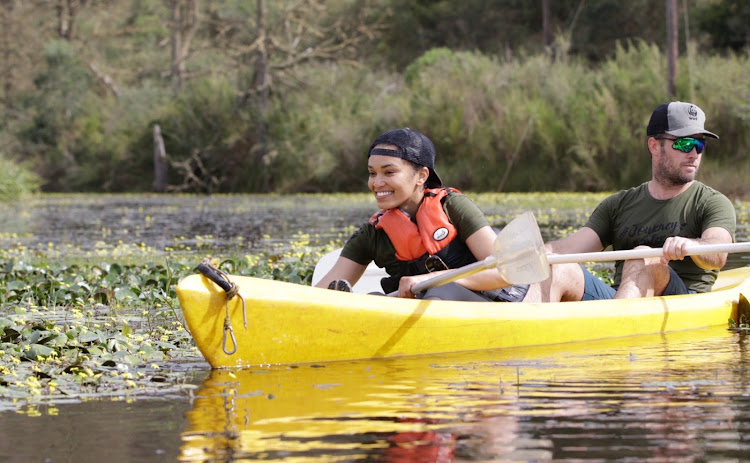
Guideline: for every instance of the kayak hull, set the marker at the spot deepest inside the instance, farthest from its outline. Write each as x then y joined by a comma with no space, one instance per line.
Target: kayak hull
289,323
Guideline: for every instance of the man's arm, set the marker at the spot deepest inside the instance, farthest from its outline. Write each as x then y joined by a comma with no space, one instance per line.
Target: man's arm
584,240
675,248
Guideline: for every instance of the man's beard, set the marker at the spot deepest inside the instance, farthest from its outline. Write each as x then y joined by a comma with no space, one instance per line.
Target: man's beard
671,175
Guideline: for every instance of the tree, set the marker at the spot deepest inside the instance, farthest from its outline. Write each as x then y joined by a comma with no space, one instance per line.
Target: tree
283,36
9,55
672,45
546,26
183,24
727,23
67,16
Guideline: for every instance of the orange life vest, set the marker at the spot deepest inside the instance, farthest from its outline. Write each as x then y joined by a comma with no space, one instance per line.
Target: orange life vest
432,232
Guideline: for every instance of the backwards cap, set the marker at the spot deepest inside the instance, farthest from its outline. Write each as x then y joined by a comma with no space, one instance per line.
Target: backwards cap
413,146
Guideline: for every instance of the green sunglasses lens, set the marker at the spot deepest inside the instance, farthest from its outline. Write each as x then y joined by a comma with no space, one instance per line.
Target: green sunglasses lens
686,144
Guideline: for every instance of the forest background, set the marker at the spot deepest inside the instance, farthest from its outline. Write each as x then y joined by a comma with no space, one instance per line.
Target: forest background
286,95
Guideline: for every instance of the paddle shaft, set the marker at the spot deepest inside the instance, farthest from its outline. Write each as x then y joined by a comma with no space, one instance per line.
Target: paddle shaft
490,261
644,253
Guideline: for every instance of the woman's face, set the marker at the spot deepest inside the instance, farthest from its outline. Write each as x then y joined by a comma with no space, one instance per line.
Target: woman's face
395,182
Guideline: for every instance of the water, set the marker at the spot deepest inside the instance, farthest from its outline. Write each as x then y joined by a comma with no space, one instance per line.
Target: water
165,225
673,397
681,396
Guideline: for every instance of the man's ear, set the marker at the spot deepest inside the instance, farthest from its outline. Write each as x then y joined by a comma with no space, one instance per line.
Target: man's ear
653,145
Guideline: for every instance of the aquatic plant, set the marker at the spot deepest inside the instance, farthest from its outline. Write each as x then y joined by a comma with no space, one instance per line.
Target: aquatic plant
74,332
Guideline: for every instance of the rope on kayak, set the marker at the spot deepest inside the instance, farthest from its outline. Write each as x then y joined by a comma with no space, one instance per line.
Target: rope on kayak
231,289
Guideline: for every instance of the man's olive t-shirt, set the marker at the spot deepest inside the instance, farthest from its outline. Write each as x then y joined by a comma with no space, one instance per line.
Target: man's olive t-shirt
369,244
633,217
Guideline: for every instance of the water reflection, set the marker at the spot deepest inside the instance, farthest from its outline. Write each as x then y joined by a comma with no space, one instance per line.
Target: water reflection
673,396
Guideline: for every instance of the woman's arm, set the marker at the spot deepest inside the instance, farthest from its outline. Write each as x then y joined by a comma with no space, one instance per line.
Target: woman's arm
482,244
343,269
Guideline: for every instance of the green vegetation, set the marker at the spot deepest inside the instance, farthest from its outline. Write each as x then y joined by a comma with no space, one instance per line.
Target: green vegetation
507,110
73,332
16,180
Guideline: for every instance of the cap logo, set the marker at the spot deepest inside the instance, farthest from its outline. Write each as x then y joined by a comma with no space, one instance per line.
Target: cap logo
693,113
440,234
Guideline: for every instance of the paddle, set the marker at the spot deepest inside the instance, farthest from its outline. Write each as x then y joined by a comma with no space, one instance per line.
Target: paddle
521,259
696,250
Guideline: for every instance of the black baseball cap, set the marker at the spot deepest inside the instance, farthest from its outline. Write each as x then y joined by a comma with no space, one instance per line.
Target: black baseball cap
413,146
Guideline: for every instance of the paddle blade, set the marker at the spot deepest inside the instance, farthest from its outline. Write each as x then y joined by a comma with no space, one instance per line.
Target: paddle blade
519,251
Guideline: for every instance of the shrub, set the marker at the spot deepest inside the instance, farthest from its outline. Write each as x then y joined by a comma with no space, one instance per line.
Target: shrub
16,180
320,133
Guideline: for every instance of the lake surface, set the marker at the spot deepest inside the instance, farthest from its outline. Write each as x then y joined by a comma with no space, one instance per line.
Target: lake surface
673,397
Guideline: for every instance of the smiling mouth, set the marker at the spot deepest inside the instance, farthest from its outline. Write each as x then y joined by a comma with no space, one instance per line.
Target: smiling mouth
382,194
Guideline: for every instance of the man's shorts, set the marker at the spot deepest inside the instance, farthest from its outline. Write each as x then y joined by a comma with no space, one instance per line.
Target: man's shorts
596,289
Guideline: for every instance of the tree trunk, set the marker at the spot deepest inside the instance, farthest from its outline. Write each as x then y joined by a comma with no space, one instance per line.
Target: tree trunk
67,11
160,162
261,92
672,47
183,25
546,28
8,56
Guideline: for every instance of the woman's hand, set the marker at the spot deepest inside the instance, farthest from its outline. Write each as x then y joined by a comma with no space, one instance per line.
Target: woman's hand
406,283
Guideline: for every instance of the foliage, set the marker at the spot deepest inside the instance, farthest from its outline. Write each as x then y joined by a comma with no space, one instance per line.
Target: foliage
65,133
16,180
204,130
599,26
513,27
473,75
98,330
727,22
512,117
320,134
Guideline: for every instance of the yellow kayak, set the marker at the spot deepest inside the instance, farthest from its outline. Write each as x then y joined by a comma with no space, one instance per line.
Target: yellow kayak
290,323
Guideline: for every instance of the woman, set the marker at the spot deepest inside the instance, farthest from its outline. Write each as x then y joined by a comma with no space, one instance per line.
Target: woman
421,228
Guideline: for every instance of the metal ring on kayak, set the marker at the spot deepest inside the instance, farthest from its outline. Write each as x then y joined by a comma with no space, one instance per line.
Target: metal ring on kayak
228,329
231,289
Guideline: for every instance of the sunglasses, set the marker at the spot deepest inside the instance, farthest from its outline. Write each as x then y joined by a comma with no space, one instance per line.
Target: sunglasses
686,144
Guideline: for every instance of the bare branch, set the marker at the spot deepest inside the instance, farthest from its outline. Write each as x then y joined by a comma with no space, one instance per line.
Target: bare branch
105,79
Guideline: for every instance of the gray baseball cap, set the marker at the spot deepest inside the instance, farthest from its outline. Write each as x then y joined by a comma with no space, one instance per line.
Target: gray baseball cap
679,119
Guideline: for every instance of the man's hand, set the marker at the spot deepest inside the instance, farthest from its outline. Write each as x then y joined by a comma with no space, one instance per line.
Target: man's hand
676,248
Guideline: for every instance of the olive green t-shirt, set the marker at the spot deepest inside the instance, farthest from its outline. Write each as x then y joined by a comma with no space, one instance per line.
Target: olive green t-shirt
633,217
369,244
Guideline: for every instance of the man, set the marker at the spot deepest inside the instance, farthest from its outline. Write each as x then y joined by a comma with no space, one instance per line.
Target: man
673,211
